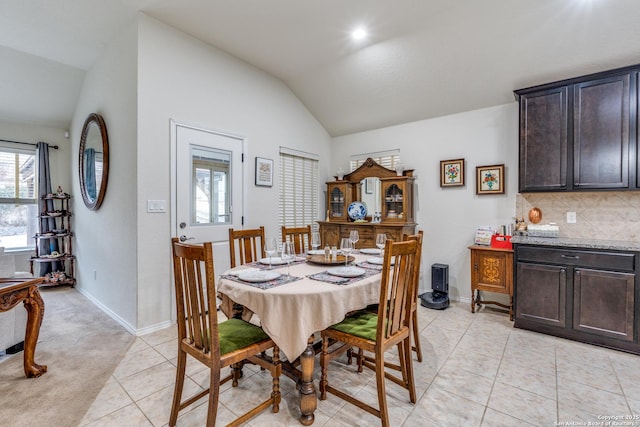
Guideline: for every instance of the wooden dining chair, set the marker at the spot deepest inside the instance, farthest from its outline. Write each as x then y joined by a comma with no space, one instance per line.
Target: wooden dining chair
379,332
301,237
415,330
250,245
216,345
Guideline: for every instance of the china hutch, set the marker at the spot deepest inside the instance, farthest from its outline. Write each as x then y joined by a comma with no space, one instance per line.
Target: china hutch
388,197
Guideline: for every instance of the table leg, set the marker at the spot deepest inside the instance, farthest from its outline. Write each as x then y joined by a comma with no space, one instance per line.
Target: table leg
307,390
35,312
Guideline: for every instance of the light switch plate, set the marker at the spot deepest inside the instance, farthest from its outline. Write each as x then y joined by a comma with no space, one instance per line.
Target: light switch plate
155,206
571,218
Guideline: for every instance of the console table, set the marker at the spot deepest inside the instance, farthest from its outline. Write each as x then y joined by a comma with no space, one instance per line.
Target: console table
491,270
13,292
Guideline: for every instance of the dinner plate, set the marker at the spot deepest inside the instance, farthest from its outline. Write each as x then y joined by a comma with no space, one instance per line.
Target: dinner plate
377,261
275,260
346,271
258,276
370,251
316,252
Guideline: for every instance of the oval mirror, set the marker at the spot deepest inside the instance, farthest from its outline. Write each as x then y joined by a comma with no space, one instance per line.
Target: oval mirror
94,161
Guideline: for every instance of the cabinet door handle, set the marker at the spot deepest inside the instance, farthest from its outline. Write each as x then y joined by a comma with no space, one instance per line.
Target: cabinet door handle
570,256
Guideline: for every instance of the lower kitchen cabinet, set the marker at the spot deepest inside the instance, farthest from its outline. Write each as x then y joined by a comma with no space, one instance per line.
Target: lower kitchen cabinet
585,295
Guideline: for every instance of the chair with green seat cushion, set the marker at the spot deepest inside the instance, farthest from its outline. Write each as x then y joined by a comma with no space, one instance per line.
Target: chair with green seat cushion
367,360
235,334
216,345
379,332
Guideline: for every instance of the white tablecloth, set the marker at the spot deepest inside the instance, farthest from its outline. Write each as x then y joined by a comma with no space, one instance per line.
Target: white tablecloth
290,313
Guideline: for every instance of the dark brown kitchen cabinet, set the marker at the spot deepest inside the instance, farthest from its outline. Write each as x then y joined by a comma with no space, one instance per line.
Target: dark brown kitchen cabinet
577,134
543,140
542,292
603,303
601,133
586,295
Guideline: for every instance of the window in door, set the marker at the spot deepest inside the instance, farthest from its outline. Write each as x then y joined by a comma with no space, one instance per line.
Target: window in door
298,188
211,190
18,202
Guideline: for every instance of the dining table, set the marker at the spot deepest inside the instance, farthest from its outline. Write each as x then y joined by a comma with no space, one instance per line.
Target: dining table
308,296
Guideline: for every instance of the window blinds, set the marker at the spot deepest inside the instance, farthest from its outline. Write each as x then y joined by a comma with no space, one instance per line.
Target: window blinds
298,188
388,159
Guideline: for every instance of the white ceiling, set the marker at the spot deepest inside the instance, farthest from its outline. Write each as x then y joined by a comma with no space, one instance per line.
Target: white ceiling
425,58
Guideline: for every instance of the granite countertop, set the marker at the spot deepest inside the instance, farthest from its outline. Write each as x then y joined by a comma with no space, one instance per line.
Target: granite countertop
619,245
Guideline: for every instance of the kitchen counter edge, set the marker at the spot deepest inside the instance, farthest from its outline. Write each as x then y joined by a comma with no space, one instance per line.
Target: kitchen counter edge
618,245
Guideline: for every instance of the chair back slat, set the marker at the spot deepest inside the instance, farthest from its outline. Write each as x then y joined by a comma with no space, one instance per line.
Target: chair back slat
195,295
300,236
394,309
250,246
416,278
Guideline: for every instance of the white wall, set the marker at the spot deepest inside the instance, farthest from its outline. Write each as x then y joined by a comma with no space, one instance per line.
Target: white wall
105,239
59,160
449,216
182,78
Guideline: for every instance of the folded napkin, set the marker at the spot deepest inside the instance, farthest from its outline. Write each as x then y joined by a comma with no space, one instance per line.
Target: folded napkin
282,280
237,270
329,278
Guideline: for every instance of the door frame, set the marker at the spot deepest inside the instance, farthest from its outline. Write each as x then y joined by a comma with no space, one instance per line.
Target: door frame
173,167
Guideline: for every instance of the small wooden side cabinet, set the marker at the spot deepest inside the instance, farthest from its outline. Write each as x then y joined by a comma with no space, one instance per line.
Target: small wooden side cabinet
492,271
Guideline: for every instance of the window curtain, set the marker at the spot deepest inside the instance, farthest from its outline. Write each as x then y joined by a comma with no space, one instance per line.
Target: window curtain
90,172
46,224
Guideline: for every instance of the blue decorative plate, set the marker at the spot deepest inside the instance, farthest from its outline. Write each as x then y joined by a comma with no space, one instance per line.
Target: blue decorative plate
357,210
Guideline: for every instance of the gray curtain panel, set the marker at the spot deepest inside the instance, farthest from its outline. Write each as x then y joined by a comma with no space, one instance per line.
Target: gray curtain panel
46,224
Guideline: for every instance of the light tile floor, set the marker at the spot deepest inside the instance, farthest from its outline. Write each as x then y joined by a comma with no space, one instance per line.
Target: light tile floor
478,371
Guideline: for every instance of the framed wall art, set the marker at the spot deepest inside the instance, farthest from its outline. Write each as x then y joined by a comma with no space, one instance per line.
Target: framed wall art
452,173
490,179
264,172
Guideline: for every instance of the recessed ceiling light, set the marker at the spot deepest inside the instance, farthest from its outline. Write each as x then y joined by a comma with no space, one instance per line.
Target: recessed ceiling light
359,33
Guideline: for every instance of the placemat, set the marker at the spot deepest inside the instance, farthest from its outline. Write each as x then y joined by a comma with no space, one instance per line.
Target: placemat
324,276
282,280
261,266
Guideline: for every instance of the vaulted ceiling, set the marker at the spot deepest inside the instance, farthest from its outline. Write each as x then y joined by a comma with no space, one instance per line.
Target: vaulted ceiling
423,58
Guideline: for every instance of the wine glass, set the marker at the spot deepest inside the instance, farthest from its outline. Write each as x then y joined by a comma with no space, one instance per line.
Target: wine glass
271,248
345,247
354,237
315,240
381,239
288,254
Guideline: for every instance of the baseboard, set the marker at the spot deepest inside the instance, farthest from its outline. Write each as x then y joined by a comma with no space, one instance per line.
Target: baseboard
121,321
108,311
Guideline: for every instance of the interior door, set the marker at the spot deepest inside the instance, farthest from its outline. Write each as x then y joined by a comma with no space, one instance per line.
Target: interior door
207,196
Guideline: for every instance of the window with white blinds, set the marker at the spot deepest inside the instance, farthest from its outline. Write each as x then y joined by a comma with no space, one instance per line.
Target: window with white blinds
388,159
298,188
18,202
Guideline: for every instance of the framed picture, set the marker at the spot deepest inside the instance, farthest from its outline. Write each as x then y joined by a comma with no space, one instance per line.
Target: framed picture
452,173
264,172
490,179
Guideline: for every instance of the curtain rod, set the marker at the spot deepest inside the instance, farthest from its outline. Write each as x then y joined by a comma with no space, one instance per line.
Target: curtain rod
26,143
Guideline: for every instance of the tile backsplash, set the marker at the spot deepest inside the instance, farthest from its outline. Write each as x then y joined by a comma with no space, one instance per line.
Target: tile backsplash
611,215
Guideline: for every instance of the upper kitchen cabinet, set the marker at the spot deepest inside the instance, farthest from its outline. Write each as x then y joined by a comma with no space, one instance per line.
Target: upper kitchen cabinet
580,134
